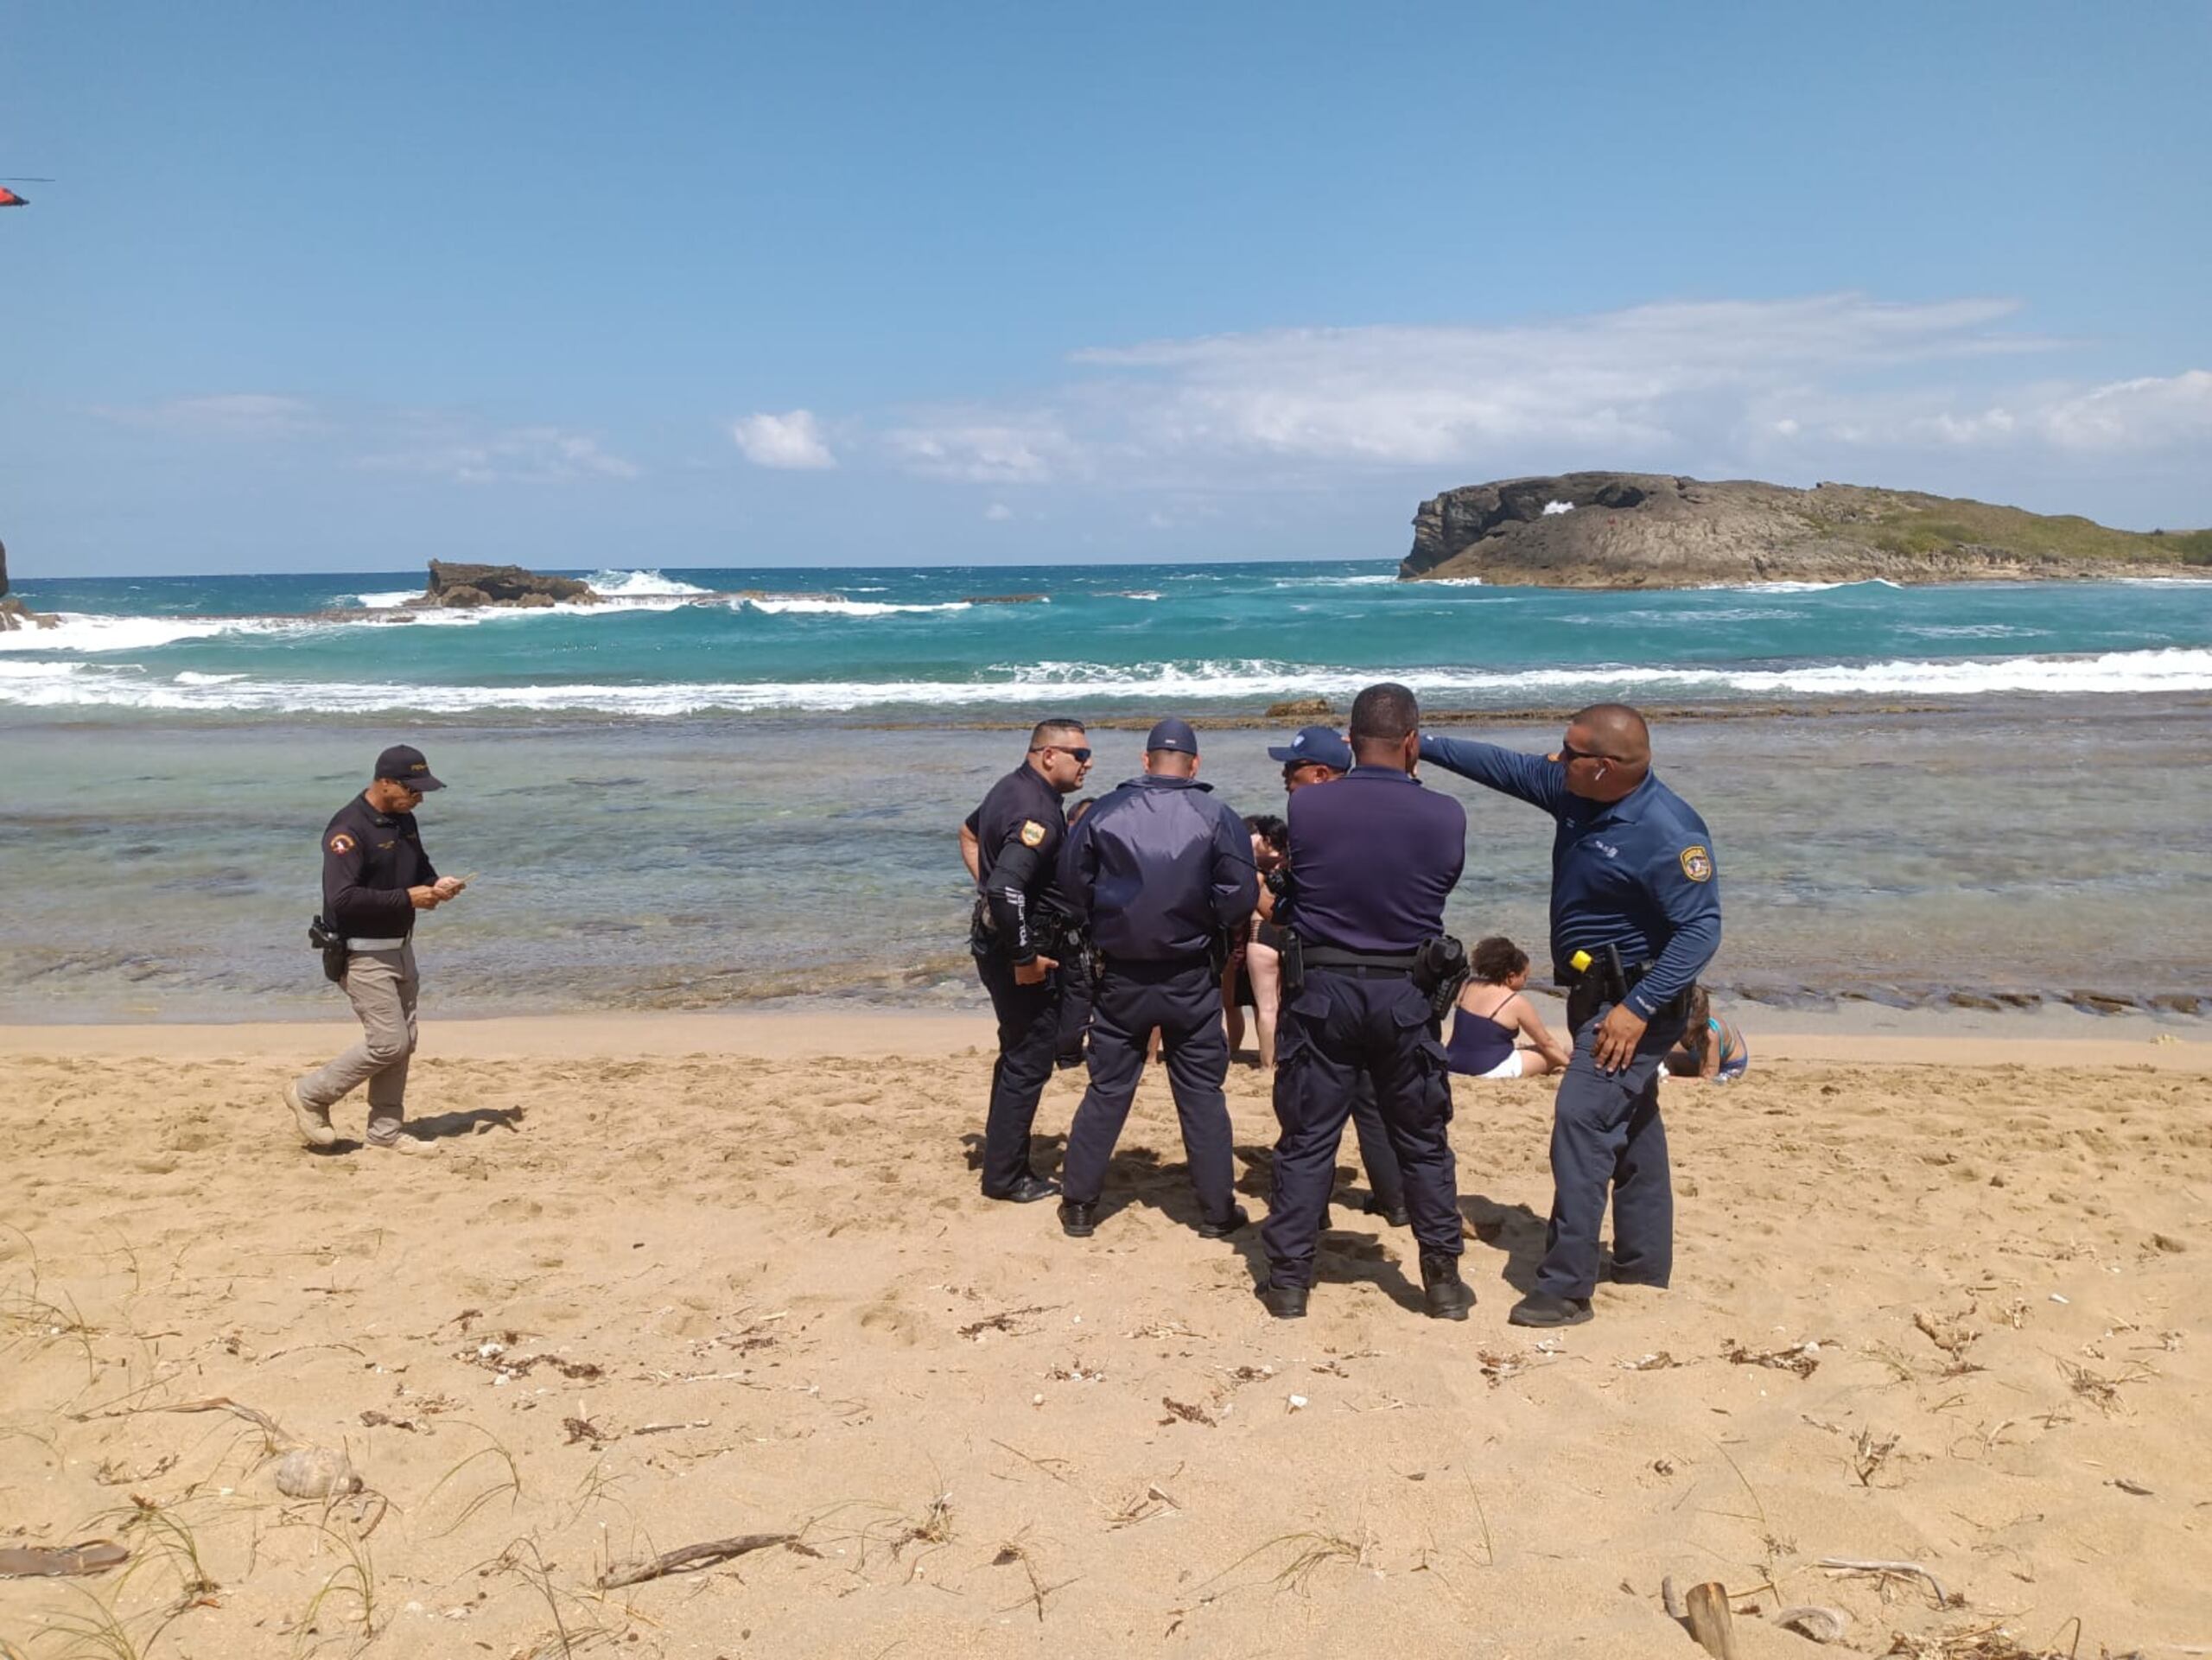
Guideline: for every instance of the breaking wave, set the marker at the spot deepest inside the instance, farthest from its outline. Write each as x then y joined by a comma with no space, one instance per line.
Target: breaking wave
77,685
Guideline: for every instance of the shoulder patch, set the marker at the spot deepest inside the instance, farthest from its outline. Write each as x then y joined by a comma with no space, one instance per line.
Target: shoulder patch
341,842
1033,833
1697,864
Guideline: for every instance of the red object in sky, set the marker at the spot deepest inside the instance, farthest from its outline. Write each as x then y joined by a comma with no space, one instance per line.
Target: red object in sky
9,199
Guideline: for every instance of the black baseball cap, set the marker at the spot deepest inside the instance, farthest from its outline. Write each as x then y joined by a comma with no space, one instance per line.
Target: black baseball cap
1172,734
1315,745
404,764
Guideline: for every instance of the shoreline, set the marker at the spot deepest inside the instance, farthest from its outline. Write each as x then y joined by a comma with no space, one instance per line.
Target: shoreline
1874,1036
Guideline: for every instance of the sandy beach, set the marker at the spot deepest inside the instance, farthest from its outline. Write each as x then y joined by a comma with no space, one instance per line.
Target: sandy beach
681,1280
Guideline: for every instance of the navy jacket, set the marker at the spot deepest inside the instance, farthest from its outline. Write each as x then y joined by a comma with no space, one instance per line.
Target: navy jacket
369,860
1019,829
1637,873
1161,870
1372,856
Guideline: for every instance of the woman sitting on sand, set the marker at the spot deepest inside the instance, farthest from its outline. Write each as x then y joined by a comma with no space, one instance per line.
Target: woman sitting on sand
1712,1049
1493,1012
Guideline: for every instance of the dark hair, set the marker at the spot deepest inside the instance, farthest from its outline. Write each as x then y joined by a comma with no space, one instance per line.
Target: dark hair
1269,829
1079,806
1042,735
1497,959
1697,1003
1384,714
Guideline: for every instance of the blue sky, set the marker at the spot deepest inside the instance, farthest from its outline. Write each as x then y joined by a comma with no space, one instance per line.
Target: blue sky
325,288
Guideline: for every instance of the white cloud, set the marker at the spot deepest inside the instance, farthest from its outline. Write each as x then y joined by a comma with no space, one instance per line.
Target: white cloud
998,512
222,415
2134,414
511,455
1796,387
1014,448
792,441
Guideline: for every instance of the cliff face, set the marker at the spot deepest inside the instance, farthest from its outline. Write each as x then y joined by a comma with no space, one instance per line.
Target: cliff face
1644,530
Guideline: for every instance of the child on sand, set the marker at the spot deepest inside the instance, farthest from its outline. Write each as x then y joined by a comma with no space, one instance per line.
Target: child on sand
1712,1049
1496,1031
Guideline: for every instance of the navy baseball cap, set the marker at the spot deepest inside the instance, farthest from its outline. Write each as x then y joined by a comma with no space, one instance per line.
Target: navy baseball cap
1322,745
1172,734
404,764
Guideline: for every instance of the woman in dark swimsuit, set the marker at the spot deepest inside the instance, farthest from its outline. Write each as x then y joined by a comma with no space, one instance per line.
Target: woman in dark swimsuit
1496,1031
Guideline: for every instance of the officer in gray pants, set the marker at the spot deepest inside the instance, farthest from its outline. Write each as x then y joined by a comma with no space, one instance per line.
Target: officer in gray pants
376,878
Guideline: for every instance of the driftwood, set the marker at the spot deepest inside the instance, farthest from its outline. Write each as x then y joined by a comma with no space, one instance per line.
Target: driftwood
689,1559
1819,1622
1907,1570
57,1561
1706,1612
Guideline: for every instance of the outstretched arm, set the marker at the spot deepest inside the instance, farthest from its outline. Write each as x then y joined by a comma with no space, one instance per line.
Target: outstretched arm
1532,779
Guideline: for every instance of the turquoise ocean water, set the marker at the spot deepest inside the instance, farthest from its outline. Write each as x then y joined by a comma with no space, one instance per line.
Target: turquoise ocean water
1120,639
723,787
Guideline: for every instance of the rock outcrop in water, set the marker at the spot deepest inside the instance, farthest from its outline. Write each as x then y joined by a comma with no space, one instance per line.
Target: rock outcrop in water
465,586
1644,530
14,613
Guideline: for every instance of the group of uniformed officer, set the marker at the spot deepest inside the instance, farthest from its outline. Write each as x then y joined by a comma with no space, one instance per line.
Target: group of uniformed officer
1155,883
1157,877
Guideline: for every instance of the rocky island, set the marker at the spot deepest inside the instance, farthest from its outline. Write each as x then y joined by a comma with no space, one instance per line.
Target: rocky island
14,613
1646,530
466,586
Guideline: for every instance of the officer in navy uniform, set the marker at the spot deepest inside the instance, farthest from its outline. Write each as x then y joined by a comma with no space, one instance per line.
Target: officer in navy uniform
1636,917
1319,754
1011,842
1161,872
376,879
1372,858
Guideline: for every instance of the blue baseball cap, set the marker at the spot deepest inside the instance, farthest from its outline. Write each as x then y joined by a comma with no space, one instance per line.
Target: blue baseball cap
1321,746
1172,734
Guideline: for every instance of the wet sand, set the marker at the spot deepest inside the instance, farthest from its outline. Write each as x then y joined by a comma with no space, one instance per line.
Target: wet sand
684,1278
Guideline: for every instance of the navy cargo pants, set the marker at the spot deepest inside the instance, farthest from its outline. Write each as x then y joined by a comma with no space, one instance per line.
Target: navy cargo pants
1606,1134
1029,1035
1338,1026
1385,1181
1184,1001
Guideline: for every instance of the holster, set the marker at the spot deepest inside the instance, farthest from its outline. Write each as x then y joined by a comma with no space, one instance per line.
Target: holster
332,944
1441,970
1290,954
1606,981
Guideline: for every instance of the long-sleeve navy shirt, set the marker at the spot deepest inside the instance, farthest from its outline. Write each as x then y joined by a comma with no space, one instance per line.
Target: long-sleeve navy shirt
1637,873
1018,830
369,860
1372,857
1160,869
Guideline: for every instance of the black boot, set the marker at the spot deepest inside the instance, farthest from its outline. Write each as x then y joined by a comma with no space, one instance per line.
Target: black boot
1542,1308
1238,1217
1284,1301
1079,1221
1396,1215
1447,1295
1027,1190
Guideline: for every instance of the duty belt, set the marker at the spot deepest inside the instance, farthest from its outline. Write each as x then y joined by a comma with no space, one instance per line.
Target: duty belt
1362,965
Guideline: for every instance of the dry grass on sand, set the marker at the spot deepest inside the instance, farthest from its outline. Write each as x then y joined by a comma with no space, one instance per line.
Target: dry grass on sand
1948,1317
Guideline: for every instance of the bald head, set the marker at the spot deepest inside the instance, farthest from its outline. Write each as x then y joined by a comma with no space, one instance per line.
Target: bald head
1607,751
1617,731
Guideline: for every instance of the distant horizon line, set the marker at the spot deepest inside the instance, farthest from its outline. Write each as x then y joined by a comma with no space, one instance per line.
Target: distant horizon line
16,579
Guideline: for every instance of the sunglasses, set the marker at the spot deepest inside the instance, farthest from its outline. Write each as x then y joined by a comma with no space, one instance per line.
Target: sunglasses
1080,754
1569,753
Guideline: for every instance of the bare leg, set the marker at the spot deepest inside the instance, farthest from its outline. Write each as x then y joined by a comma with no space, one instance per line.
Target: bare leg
1264,964
1231,1012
